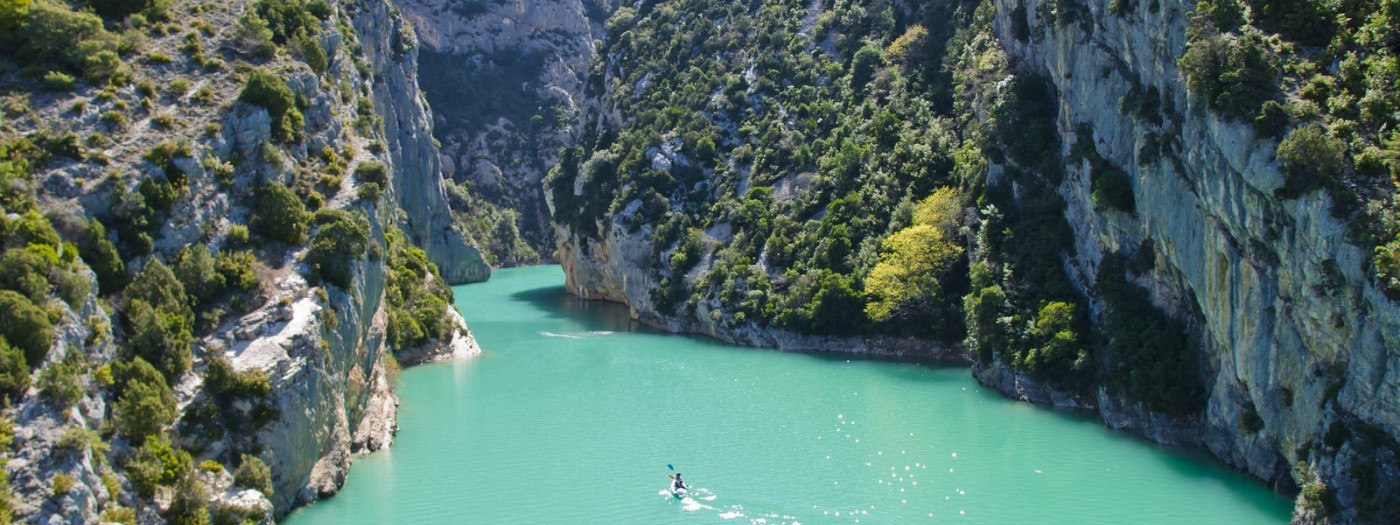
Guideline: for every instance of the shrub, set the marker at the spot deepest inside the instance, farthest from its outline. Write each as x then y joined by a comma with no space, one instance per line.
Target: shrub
1309,158
161,337
265,89
288,19
1150,358
101,255
61,381
14,373
145,405
159,320
252,473
1235,76
279,215
119,9
123,515
58,81
26,270
195,268
62,483
1113,188
313,54
25,326
229,385
157,462
341,239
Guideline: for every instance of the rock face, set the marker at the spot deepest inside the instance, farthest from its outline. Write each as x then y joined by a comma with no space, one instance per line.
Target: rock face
408,128
1292,327
504,79
1299,348
616,269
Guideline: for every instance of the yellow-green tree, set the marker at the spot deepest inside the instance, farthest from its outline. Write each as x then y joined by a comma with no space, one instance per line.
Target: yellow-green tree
906,282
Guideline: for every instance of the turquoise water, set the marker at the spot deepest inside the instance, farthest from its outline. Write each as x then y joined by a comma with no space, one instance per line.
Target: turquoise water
572,415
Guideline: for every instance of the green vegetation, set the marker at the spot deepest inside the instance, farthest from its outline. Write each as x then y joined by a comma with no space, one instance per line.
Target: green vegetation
341,239
14,372
25,326
155,463
145,405
1309,159
279,215
266,89
416,296
1151,359
159,320
252,473
906,282
49,33
1323,77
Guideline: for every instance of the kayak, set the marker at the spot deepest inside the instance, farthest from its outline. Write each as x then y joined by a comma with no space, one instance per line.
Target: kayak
679,493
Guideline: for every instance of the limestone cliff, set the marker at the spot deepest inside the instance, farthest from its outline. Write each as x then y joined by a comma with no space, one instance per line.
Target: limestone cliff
1292,327
1288,345
409,131
505,81
281,346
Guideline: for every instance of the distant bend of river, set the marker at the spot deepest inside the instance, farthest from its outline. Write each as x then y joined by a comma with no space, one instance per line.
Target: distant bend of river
573,414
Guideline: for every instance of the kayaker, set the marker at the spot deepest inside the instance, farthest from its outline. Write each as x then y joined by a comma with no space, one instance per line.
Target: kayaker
679,484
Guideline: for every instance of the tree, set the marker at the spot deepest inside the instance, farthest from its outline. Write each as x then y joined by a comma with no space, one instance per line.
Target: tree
157,462
25,326
101,255
264,88
14,372
863,66
279,215
145,404
196,271
906,283
342,238
252,473
160,337
1309,158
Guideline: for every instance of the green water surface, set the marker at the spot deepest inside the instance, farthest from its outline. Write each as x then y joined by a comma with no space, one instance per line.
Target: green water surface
572,414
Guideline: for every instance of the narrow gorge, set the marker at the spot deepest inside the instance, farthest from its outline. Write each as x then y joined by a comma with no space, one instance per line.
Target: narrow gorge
227,225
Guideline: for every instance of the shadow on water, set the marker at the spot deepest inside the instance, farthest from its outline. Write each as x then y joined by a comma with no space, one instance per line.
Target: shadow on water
556,303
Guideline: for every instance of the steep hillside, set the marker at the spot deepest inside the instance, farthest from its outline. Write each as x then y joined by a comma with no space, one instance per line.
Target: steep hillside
1178,215
209,229
504,80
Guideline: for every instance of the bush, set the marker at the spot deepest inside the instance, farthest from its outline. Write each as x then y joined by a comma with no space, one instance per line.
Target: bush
314,55
1235,76
161,337
1113,188
229,385
196,271
25,326
62,382
62,483
1150,358
1309,158
341,239
157,462
279,215
145,405
252,473
14,373
159,320
288,19
265,89
101,255
58,81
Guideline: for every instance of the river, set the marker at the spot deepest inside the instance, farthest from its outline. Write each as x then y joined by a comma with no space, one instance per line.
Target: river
573,414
